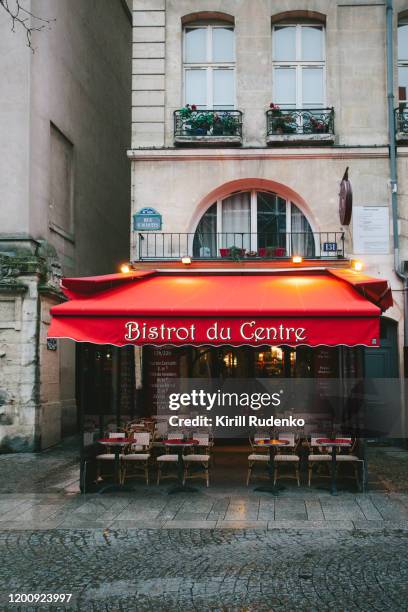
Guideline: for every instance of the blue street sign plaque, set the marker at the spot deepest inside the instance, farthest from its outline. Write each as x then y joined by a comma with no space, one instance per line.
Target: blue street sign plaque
147,219
330,247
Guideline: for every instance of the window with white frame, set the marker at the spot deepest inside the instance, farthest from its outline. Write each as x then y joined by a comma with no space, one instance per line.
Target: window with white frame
403,62
254,220
298,65
209,66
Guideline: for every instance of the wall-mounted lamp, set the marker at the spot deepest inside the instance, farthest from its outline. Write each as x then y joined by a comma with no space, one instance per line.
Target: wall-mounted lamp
297,259
125,268
357,265
186,261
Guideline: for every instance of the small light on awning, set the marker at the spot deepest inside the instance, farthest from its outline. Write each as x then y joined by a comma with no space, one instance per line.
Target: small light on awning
357,265
125,268
186,261
297,259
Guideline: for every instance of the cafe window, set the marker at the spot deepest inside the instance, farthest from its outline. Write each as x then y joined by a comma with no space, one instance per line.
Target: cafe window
209,66
403,61
298,65
254,220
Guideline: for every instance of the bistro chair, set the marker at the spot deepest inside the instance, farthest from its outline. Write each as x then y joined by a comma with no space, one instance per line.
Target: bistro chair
257,457
138,458
105,458
349,457
200,460
168,458
319,455
287,455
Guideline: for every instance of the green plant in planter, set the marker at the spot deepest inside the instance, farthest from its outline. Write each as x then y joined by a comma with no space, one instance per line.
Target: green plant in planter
236,253
202,121
229,125
282,123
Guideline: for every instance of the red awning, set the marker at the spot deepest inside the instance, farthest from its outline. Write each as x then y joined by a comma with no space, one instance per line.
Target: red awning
292,307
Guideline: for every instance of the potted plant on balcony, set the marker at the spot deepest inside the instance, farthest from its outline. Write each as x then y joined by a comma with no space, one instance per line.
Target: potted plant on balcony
195,123
234,252
317,126
282,122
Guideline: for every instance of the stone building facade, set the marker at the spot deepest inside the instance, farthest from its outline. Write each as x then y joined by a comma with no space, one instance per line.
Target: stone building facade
64,197
296,54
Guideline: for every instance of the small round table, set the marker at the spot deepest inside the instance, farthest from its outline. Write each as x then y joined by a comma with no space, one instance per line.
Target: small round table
117,444
334,443
273,444
180,445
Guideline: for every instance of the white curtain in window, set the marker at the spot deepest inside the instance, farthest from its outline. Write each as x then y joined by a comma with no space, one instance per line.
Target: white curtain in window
302,242
236,221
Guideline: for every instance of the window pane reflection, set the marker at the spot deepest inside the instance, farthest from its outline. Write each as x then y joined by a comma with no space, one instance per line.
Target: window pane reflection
195,45
223,45
312,43
284,43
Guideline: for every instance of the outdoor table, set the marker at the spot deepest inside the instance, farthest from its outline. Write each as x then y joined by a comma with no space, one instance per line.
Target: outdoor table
334,443
180,445
118,444
273,445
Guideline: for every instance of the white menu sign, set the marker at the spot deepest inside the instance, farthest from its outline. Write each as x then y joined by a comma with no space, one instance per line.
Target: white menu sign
371,230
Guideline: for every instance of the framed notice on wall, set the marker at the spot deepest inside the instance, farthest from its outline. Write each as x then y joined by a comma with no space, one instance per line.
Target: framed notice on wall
371,230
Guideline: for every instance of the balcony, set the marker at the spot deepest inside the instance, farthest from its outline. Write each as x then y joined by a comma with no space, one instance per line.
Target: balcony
299,126
239,246
401,123
207,127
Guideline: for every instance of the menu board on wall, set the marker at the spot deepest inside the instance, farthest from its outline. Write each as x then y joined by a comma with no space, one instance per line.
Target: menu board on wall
162,365
371,230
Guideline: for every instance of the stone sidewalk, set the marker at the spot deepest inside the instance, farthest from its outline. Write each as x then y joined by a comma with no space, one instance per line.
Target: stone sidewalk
39,492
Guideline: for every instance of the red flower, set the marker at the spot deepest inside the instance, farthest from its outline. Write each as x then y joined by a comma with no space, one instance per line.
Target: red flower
193,107
272,105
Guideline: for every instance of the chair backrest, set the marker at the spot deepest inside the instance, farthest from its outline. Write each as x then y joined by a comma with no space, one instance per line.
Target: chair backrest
288,436
259,435
161,428
175,435
141,438
202,438
117,434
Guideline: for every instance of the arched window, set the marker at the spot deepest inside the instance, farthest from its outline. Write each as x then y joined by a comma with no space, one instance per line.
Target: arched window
209,65
258,221
298,64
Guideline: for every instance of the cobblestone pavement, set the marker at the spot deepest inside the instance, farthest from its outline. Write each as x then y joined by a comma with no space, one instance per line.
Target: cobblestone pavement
203,570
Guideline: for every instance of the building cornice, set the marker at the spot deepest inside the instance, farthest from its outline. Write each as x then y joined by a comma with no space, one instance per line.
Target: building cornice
259,154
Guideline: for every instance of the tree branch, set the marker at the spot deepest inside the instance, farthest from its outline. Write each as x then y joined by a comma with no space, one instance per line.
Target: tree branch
20,16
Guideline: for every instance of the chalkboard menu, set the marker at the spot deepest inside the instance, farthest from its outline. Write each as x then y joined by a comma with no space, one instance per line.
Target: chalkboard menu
161,366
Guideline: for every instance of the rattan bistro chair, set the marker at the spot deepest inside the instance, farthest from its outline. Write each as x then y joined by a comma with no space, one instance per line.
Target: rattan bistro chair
319,455
107,458
257,457
287,455
168,459
137,461
199,459
349,457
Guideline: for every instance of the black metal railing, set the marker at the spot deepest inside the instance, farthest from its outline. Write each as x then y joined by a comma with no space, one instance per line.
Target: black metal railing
401,119
299,121
240,245
194,124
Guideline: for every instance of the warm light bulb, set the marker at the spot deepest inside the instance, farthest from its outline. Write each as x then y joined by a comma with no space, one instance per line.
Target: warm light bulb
186,260
297,259
357,265
125,268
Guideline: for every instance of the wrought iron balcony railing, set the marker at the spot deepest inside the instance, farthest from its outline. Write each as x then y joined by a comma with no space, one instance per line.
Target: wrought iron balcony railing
317,122
207,126
240,245
401,121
